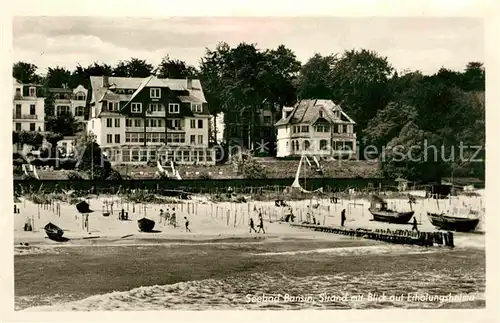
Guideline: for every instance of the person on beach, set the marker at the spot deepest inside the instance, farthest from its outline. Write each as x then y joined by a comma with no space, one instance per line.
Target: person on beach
187,225
252,226
161,215
342,218
261,224
173,220
415,224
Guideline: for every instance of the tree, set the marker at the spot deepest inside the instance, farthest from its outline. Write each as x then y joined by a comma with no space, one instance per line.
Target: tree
64,124
57,77
360,83
25,72
32,138
133,68
314,81
474,78
175,69
89,155
388,122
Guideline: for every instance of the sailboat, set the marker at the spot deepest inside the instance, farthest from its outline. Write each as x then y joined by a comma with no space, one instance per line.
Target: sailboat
378,208
296,183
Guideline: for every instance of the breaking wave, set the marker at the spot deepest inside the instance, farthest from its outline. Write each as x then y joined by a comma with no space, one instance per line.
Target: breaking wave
406,289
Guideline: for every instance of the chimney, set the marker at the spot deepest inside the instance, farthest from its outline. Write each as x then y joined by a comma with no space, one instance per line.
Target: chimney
105,81
189,84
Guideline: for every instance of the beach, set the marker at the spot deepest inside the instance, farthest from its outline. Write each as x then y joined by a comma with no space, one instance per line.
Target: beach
220,265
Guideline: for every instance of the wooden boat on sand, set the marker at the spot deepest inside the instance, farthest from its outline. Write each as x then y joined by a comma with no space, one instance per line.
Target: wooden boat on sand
53,231
378,208
452,223
146,225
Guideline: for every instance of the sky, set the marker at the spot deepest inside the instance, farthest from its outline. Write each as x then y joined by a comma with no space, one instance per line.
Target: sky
414,43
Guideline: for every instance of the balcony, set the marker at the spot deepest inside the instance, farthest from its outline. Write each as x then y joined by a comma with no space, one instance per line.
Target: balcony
26,116
155,114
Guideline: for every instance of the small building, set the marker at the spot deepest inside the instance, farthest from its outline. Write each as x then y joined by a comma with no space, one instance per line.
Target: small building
315,127
29,107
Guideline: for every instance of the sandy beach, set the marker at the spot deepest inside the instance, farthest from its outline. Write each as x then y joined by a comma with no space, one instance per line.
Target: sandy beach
114,266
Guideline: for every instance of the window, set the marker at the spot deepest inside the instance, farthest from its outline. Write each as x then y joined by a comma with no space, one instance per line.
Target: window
174,124
109,122
200,124
196,107
173,108
321,114
193,124
109,139
113,106
307,144
209,156
323,144
117,123
155,107
128,122
193,139
18,92
117,139
200,139
160,122
137,123
305,128
32,109
62,109
32,91
79,111
267,119
341,128
18,126
322,128
136,107
135,155
143,155
155,93
151,123
125,155
175,138
201,156
80,96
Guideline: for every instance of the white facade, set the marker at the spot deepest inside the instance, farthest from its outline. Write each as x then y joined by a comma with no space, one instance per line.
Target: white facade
28,111
315,127
70,101
135,138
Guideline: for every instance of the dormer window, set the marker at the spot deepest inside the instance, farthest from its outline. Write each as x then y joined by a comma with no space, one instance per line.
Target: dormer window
113,106
80,96
155,93
32,91
173,108
196,107
321,114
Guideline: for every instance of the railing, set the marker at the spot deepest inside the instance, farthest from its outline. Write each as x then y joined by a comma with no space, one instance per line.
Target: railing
155,113
26,116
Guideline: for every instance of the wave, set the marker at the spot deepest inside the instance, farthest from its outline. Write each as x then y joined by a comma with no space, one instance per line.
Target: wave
406,289
360,250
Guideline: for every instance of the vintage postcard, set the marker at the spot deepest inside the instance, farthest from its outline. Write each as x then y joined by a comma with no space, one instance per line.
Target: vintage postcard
250,162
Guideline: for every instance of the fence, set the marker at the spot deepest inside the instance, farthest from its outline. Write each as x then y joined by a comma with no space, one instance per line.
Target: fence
245,186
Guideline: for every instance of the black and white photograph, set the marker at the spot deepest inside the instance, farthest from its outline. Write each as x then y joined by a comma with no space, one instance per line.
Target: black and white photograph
275,163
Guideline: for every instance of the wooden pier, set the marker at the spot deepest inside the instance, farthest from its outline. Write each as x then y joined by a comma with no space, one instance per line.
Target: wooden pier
407,237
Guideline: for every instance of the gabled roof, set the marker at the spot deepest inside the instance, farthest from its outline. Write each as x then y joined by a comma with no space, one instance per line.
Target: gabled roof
308,111
137,84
